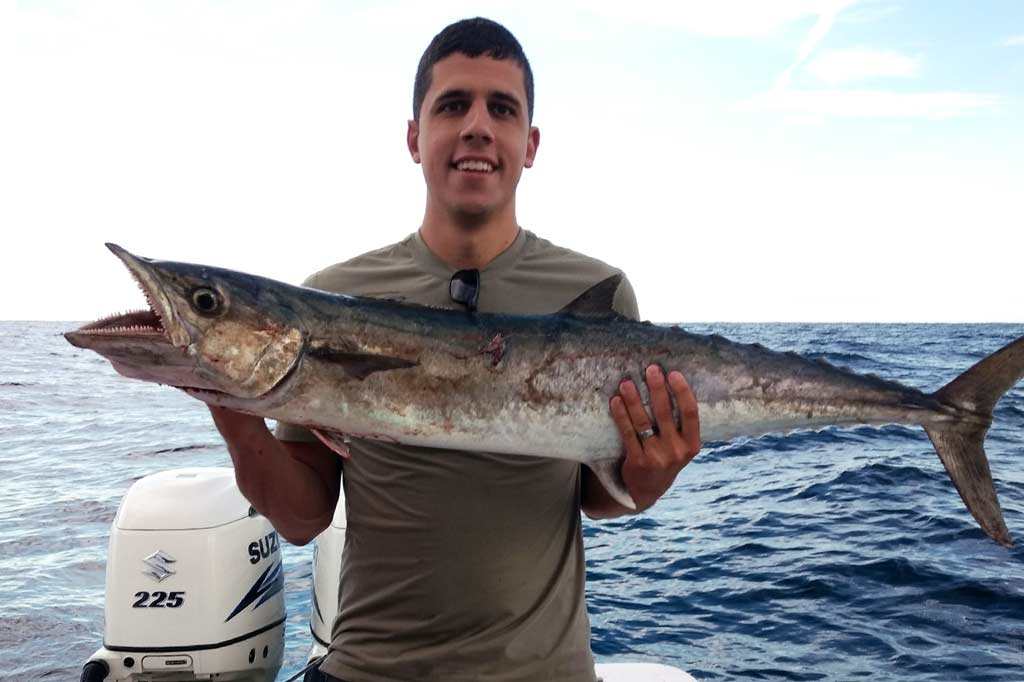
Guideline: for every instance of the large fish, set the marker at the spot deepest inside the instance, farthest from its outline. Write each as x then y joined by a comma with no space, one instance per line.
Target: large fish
523,384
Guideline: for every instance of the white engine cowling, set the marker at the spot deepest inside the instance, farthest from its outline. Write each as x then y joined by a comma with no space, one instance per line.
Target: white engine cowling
194,584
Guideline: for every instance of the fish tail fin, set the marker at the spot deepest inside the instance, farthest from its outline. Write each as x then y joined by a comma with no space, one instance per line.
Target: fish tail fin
609,472
961,444
963,454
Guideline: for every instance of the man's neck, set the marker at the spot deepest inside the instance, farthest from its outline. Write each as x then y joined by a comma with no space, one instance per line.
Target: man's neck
465,243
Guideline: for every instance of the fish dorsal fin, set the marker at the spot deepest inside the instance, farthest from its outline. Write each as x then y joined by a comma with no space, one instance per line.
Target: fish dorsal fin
596,301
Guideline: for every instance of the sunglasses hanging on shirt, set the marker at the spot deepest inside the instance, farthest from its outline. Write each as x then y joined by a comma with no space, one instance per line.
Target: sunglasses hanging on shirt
464,289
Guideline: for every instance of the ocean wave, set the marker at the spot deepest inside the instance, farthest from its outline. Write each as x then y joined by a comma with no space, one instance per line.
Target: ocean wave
837,554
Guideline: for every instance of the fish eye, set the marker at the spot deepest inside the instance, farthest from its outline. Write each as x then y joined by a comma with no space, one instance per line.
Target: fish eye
206,301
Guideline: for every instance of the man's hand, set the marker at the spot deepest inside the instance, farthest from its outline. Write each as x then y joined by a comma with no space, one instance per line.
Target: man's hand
294,484
656,449
236,427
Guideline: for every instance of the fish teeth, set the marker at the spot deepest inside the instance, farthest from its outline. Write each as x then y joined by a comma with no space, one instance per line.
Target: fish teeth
149,301
108,324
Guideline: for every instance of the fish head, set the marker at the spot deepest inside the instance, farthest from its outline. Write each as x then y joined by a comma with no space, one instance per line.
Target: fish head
205,328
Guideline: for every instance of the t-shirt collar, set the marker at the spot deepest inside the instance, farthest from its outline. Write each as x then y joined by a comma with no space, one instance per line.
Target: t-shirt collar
429,261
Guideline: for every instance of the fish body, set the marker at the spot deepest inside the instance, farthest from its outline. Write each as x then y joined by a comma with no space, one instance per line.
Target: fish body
519,384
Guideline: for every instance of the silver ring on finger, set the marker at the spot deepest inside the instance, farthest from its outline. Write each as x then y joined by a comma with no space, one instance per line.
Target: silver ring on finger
646,433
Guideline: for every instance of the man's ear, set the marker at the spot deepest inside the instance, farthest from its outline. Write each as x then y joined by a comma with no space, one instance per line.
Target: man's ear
412,139
532,142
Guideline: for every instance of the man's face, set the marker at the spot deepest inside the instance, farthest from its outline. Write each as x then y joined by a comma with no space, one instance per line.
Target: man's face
473,137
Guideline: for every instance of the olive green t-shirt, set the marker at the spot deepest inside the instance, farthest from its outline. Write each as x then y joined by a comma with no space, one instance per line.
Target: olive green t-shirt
457,565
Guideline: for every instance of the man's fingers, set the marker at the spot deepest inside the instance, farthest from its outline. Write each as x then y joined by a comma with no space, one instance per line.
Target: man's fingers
688,413
625,425
635,406
661,403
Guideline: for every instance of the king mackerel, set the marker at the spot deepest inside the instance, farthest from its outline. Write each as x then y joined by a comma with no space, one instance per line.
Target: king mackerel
530,385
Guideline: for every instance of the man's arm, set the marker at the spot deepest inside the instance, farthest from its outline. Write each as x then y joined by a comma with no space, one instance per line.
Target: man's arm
652,463
295,485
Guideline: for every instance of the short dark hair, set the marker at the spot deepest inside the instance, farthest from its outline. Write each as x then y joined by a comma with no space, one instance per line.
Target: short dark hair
471,37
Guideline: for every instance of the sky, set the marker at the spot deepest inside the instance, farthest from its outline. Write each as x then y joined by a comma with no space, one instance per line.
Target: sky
791,160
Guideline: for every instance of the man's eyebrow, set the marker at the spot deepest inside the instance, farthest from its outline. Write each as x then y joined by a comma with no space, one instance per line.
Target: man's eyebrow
507,98
495,95
454,93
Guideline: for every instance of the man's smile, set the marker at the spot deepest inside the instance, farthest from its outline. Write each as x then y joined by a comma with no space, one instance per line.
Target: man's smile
474,165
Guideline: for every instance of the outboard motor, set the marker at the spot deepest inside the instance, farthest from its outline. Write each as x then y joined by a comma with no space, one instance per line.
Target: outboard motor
194,585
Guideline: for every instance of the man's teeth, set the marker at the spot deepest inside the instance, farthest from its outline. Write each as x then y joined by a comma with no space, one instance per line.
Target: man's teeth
475,166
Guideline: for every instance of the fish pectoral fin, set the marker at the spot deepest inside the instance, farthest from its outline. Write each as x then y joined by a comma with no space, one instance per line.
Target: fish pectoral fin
359,365
337,442
609,473
597,301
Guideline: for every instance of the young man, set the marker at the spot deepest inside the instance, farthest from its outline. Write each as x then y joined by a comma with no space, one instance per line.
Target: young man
464,566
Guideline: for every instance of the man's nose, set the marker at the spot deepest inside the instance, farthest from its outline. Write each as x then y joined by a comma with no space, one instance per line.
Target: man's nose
477,124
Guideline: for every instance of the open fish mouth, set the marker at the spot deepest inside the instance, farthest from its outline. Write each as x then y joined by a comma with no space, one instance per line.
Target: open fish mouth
184,338
143,322
148,344
155,323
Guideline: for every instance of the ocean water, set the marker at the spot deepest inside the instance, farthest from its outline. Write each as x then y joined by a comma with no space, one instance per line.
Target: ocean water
830,555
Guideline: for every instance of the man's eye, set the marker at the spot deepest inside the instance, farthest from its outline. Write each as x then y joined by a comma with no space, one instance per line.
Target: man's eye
450,107
502,110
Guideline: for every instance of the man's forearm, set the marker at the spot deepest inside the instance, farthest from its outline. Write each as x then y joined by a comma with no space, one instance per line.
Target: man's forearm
295,485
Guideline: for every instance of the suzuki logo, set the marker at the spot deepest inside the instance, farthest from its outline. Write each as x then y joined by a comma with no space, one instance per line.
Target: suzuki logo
265,587
158,565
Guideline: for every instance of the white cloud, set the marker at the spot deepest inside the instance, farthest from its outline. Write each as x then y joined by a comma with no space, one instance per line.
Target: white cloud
872,11
1014,41
827,14
858,64
722,18
873,103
